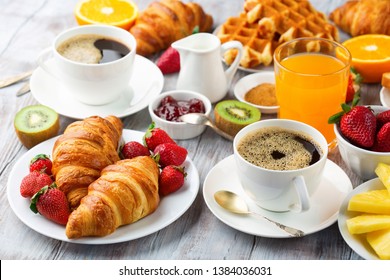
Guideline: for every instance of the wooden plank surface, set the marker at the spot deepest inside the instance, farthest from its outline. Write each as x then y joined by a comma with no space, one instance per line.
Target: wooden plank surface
26,28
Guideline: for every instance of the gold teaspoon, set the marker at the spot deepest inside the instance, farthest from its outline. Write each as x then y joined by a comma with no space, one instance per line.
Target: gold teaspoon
236,204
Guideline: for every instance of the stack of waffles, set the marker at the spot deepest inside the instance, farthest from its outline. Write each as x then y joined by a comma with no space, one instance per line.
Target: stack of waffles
265,24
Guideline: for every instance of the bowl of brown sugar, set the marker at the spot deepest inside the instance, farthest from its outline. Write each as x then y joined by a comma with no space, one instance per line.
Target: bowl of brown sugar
258,90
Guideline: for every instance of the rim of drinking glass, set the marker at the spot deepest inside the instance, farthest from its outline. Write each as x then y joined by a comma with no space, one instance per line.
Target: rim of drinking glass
334,43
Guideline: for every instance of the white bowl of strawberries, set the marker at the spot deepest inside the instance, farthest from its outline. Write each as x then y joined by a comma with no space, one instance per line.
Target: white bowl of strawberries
363,136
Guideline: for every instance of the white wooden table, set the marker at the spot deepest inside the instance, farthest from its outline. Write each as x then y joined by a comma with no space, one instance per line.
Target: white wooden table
26,28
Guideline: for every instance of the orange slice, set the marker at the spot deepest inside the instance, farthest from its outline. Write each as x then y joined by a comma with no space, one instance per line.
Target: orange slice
370,55
120,13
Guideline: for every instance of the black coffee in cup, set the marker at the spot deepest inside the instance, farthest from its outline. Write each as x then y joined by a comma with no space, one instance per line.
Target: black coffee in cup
278,148
92,49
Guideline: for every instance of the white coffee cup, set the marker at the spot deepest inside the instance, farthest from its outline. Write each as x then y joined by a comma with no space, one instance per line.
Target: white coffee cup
92,84
281,190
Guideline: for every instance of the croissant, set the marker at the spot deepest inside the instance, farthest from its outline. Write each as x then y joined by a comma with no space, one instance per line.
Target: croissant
124,193
166,21
85,148
363,17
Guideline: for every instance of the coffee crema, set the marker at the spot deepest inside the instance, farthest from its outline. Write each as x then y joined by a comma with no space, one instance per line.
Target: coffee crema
278,148
92,49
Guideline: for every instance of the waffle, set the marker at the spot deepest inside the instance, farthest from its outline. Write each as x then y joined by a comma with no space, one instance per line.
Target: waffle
265,24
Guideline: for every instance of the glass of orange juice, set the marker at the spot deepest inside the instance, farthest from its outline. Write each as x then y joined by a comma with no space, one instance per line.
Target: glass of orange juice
311,77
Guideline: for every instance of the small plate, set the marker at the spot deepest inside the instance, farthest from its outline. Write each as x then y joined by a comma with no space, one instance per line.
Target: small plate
357,242
169,210
384,96
146,83
324,211
250,81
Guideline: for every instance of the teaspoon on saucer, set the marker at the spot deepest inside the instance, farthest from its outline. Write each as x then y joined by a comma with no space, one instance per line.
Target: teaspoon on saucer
236,204
202,119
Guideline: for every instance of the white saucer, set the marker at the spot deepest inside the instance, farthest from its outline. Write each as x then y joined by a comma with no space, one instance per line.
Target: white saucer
146,83
324,211
357,242
384,96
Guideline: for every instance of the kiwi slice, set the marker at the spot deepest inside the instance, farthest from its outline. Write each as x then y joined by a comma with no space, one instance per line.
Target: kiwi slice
35,124
232,115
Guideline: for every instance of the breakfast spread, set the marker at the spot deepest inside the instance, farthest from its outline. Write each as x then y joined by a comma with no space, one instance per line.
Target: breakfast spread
95,184
263,94
166,21
358,17
265,24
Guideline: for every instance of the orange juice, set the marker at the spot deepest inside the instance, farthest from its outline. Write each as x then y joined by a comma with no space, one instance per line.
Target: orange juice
310,87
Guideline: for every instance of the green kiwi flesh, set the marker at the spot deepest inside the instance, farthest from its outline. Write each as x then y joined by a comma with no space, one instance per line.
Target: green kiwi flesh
35,124
232,115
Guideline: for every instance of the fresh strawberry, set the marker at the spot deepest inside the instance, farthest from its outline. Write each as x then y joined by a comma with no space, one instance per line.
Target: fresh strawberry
171,179
51,203
155,136
383,139
134,149
382,118
169,62
353,88
41,163
170,154
359,126
33,182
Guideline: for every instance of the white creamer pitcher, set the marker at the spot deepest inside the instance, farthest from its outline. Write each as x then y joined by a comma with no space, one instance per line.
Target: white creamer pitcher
201,67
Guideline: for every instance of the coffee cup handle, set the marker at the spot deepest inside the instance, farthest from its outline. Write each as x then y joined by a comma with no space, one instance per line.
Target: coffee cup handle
303,196
231,70
42,62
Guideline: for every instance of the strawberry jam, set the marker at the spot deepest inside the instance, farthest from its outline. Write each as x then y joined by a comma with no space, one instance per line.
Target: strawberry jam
171,109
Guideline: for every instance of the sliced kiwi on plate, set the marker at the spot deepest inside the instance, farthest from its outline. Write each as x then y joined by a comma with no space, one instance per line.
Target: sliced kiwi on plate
35,124
232,115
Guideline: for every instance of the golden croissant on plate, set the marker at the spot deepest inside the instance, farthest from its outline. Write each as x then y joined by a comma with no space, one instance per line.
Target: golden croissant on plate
166,21
124,193
363,17
85,148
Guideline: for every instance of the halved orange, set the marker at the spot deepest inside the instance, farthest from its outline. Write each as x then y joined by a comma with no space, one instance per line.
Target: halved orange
370,55
120,13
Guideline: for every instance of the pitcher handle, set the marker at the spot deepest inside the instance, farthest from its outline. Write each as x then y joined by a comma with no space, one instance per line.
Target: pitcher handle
231,70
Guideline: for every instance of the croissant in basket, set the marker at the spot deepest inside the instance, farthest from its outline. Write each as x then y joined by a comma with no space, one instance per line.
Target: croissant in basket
363,17
124,193
166,21
85,148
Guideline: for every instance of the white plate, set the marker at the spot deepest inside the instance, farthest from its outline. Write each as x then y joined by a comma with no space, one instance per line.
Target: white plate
384,96
170,209
146,82
323,213
250,81
357,242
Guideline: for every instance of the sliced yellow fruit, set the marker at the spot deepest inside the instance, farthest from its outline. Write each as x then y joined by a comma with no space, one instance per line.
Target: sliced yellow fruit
380,242
367,223
383,172
375,202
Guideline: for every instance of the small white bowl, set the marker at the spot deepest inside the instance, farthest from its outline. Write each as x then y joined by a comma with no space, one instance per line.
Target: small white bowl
362,162
384,96
179,130
250,81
